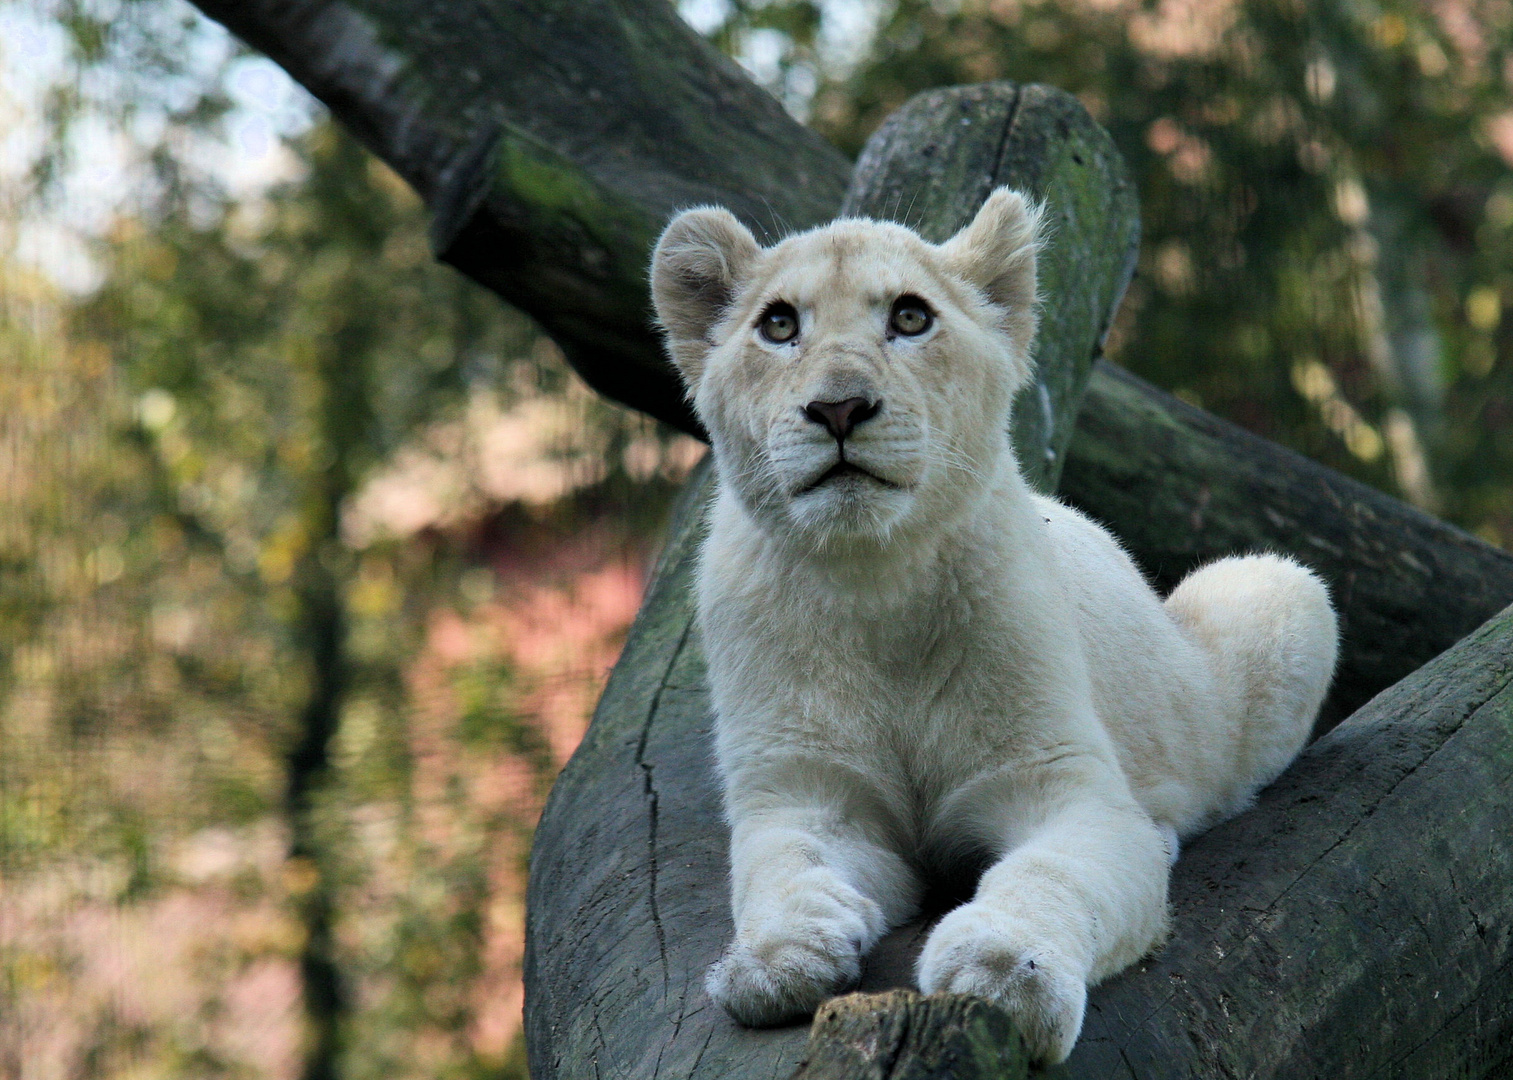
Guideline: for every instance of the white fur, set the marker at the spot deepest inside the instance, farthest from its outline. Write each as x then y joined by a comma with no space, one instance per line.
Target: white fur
936,668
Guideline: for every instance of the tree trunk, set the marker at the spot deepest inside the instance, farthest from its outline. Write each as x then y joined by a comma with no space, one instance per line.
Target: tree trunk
1357,922
1181,487
552,141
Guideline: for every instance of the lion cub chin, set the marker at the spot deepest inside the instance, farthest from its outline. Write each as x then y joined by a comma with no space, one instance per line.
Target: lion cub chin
917,663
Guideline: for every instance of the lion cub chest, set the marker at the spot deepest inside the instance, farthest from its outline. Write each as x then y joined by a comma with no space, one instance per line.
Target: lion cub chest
909,699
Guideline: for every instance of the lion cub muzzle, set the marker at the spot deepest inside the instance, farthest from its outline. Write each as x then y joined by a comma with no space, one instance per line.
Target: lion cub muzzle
840,417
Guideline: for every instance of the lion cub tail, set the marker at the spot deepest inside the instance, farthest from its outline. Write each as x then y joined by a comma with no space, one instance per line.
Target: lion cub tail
1268,626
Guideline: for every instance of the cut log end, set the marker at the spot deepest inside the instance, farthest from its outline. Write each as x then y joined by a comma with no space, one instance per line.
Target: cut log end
901,1035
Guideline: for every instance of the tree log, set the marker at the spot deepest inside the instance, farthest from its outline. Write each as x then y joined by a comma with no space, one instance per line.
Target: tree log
1181,487
1357,922
624,110
552,141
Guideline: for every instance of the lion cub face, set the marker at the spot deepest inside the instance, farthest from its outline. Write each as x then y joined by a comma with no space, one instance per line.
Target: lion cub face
855,380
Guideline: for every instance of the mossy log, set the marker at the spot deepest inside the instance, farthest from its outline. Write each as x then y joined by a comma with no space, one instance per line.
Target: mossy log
552,141
1181,487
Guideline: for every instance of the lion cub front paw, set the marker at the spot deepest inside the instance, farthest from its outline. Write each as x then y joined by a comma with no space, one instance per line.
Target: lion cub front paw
800,952
980,953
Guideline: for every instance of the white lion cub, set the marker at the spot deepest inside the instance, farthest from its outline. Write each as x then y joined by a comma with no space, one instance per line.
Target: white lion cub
918,664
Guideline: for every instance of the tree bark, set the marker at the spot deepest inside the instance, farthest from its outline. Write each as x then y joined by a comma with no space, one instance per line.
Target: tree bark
552,141
1180,487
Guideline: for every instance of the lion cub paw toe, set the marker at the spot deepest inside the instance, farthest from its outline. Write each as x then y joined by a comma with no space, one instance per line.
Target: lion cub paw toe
805,950
1044,993
766,983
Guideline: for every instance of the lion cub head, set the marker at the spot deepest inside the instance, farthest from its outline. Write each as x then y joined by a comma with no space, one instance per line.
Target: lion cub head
855,380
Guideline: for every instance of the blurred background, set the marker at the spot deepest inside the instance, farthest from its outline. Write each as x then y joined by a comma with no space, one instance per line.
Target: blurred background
314,556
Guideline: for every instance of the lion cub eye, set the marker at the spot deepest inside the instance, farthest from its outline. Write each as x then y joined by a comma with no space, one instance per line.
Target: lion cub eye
911,316
780,323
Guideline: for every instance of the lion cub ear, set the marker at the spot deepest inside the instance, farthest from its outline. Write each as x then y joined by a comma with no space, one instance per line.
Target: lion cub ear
701,261
997,253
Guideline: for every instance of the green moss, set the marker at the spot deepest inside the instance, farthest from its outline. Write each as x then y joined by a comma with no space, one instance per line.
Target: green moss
550,185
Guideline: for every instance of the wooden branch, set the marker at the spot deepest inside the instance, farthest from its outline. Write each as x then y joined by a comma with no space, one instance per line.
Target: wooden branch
902,1036
552,141
1358,922
1181,487
931,165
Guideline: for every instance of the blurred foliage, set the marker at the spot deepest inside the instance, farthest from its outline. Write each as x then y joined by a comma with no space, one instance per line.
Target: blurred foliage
197,647
1325,187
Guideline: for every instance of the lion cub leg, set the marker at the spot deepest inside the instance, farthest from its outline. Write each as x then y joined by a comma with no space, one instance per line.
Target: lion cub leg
1083,896
811,895
1268,627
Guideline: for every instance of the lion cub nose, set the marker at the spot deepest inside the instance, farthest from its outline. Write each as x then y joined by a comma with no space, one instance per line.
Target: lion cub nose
839,417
